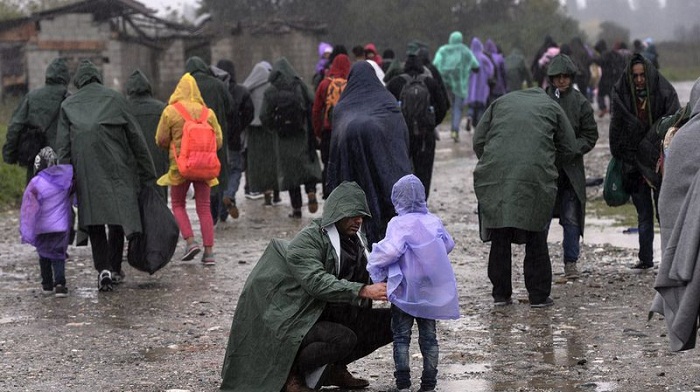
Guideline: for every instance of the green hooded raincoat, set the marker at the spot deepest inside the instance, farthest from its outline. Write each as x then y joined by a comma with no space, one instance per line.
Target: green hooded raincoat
455,61
284,296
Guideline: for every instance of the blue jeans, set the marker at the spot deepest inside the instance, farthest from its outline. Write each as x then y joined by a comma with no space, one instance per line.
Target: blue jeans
457,103
401,325
570,219
53,272
235,169
644,201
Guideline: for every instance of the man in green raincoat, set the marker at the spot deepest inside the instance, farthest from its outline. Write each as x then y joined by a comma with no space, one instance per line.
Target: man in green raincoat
39,108
570,205
519,141
102,140
147,111
217,98
307,304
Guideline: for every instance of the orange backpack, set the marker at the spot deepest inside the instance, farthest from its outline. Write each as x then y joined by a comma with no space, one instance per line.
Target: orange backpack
197,160
335,88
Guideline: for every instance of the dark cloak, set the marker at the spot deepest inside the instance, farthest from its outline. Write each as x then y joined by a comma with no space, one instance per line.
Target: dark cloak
369,145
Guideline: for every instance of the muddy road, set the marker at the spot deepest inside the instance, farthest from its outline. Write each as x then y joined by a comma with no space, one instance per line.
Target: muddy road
169,331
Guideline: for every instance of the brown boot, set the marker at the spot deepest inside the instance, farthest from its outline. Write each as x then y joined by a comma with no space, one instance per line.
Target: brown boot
339,376
295,384
313,203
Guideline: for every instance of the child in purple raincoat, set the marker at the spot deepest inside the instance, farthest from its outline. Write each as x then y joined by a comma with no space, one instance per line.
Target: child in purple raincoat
45,218
421,285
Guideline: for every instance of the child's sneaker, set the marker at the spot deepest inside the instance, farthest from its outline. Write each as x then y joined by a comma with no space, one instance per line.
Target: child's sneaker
104,281
191,251
61,291
47,290
208,259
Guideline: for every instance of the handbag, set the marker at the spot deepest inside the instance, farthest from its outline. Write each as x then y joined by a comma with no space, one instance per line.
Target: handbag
614,192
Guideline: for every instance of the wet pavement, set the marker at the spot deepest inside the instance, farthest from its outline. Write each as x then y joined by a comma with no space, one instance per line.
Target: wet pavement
168,331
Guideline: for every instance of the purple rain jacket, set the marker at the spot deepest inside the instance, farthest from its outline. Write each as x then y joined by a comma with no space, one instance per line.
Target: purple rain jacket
46,208
412,258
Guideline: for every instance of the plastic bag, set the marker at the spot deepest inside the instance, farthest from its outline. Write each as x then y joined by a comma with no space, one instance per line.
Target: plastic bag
614,192
153,248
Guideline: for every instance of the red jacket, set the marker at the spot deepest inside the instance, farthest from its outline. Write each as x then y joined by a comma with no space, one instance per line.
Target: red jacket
340,68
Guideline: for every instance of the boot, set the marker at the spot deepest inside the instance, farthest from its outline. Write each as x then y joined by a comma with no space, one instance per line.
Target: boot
268,198
295,384
313,203
339,376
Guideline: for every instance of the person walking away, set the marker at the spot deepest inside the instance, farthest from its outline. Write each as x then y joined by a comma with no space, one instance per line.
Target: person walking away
286,109
327,96
570,205
416,84
322,65
216,97
320,280
455,62
518,142
102,140
639,98
612,64
147,111
34,122
421,286
479,84
241,116
261,174
582,59
497,84
45,219
186,101
536,70
369,145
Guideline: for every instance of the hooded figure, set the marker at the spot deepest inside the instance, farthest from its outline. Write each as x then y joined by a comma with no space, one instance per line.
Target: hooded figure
296,154
455,61
498,87
415,250
217,97
286,293
261,171
479,83
677,283
147,111
516,71
369,144
39,108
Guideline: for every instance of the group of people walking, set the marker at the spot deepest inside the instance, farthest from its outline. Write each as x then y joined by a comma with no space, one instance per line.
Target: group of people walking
306,312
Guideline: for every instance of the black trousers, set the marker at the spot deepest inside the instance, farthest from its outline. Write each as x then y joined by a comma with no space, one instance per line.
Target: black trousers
422,152
295,194
342,335
107,252
537,265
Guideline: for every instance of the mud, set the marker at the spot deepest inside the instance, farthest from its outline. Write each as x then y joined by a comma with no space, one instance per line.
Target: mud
169,331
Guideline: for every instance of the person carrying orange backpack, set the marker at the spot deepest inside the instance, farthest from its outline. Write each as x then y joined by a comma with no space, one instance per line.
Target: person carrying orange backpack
186,122
327,95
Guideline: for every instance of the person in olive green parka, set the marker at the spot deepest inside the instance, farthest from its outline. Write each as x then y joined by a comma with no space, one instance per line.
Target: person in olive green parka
102,140
570,205
216,97
292,288
147,111
39,108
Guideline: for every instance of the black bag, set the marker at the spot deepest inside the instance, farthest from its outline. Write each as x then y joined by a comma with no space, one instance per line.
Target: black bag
415,105
30,142
289,113
153,248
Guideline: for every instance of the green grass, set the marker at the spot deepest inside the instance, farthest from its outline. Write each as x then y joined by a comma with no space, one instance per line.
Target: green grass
680,74
12,177
624,216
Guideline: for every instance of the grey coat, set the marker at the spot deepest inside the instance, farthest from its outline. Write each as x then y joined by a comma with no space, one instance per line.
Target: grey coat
677,283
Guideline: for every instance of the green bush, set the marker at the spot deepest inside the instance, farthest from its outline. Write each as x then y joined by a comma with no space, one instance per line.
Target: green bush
12,177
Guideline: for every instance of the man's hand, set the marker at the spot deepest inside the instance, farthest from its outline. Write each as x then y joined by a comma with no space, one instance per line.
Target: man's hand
376,292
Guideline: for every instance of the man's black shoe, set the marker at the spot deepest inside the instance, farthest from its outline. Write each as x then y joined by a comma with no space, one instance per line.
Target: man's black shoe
643,266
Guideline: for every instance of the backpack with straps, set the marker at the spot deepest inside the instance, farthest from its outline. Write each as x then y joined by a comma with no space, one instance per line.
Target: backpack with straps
415,105
335,88
197,160
289,112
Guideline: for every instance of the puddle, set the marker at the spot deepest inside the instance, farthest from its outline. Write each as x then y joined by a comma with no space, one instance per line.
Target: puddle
602,231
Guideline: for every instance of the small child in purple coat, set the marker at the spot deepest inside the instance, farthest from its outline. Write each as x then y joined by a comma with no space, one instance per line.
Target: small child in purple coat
421,284
45,218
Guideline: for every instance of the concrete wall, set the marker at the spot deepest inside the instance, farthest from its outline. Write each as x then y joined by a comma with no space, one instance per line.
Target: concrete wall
37,62
170,66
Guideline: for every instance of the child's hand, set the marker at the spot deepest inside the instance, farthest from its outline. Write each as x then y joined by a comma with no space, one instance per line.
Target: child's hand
376,292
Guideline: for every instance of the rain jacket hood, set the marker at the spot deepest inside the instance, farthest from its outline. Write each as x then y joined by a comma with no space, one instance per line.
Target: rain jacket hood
323,48
346,201
186,91
87,73
195,64
283,74
57,72
229,68
340,67
408,196
258,76
561,64
138,85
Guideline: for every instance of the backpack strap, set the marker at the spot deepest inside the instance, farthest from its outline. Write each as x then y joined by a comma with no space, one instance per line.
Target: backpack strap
183,111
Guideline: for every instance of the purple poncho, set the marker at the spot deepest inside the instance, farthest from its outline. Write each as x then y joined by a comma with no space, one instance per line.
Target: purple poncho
412,258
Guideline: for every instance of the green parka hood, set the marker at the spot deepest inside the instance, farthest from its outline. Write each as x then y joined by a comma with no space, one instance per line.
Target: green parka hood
456,38
195,64
87,73
57,73
347,200
561,64
138,85
282,74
